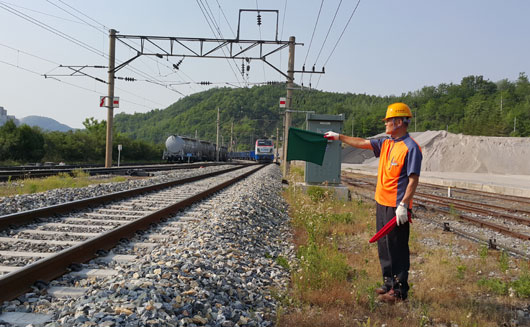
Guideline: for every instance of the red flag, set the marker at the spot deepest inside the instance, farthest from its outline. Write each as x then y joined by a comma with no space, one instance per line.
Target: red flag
386,229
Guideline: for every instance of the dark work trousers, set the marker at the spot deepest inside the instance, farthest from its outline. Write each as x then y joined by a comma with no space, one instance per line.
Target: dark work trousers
394,255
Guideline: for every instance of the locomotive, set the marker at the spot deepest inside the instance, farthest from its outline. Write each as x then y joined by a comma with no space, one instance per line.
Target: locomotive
263,152
185,149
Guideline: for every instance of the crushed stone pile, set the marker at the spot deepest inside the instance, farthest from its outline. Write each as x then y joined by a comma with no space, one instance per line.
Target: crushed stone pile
448,152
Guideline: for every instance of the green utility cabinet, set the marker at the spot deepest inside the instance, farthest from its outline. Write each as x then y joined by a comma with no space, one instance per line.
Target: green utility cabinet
329,172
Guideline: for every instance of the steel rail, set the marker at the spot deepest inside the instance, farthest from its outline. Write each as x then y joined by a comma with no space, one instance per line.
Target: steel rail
513,198
20,281
476,238
24,217
472,237
477,221
14,174
471,206
457,204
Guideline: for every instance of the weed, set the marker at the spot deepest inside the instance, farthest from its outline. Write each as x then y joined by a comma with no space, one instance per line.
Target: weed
504,261
371,298
32,188
296,171
282,261
62,180
453,212
495,285
521,286
460,271
317,193
483,252
321,267
366,323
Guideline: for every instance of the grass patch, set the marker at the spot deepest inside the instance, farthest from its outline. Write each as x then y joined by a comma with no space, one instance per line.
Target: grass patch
78,178
519,287
333,281
282,262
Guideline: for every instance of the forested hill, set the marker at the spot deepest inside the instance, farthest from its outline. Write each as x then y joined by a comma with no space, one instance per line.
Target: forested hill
474,107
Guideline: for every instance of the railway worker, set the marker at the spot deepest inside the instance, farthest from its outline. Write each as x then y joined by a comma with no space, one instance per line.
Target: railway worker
398,174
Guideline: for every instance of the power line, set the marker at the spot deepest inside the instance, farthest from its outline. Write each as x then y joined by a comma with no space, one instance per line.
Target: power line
325,39
75,41
341,34
104,31
69,38
73,85
55,63
329,30
314,29
85,22
340,37
220,33
260,37
29,54
283,25
199,2
51,29
95,21
40,12
222,11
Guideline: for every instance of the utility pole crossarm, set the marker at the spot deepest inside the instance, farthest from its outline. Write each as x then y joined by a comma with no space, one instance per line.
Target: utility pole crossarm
171,46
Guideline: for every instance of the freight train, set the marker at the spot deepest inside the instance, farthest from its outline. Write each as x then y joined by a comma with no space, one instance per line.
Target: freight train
185,149
263,152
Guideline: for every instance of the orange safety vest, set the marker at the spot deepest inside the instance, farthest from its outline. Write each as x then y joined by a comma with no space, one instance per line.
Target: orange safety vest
398,159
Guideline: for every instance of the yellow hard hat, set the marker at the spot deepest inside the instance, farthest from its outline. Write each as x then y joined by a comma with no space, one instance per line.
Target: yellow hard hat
398,109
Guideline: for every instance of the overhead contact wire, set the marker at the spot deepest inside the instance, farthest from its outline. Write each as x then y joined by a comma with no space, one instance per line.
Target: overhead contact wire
312,36
340,37
199,2
326,38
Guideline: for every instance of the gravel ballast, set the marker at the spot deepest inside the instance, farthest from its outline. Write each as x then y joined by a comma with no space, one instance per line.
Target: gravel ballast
218,270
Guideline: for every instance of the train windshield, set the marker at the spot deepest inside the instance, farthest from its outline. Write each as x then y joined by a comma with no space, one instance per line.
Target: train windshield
265,142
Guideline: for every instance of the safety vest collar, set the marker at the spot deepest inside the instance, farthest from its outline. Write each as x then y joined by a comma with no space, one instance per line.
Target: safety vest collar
399,139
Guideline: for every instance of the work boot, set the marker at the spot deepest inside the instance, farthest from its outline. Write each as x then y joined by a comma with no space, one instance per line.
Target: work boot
382,290
391,297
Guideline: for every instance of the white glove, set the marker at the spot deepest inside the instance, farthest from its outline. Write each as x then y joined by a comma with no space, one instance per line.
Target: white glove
401,215
331,136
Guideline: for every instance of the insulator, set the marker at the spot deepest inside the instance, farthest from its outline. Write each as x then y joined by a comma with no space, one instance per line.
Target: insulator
176,66
247,60
323,70
303,68
259,19
159,55
313,67
248,68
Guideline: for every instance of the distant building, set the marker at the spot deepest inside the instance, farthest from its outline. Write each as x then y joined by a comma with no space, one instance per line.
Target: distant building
4,117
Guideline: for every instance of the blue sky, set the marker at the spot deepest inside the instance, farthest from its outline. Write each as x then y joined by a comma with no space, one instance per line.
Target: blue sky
389,47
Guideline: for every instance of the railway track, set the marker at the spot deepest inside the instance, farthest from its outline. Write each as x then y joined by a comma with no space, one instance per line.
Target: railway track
503,217
15,173
47,246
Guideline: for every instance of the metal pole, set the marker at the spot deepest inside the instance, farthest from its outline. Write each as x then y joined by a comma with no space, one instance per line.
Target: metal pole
277,142
217,142
232,137
288,102
110,108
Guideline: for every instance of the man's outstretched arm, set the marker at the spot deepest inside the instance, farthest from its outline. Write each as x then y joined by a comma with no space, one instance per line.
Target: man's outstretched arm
356,142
